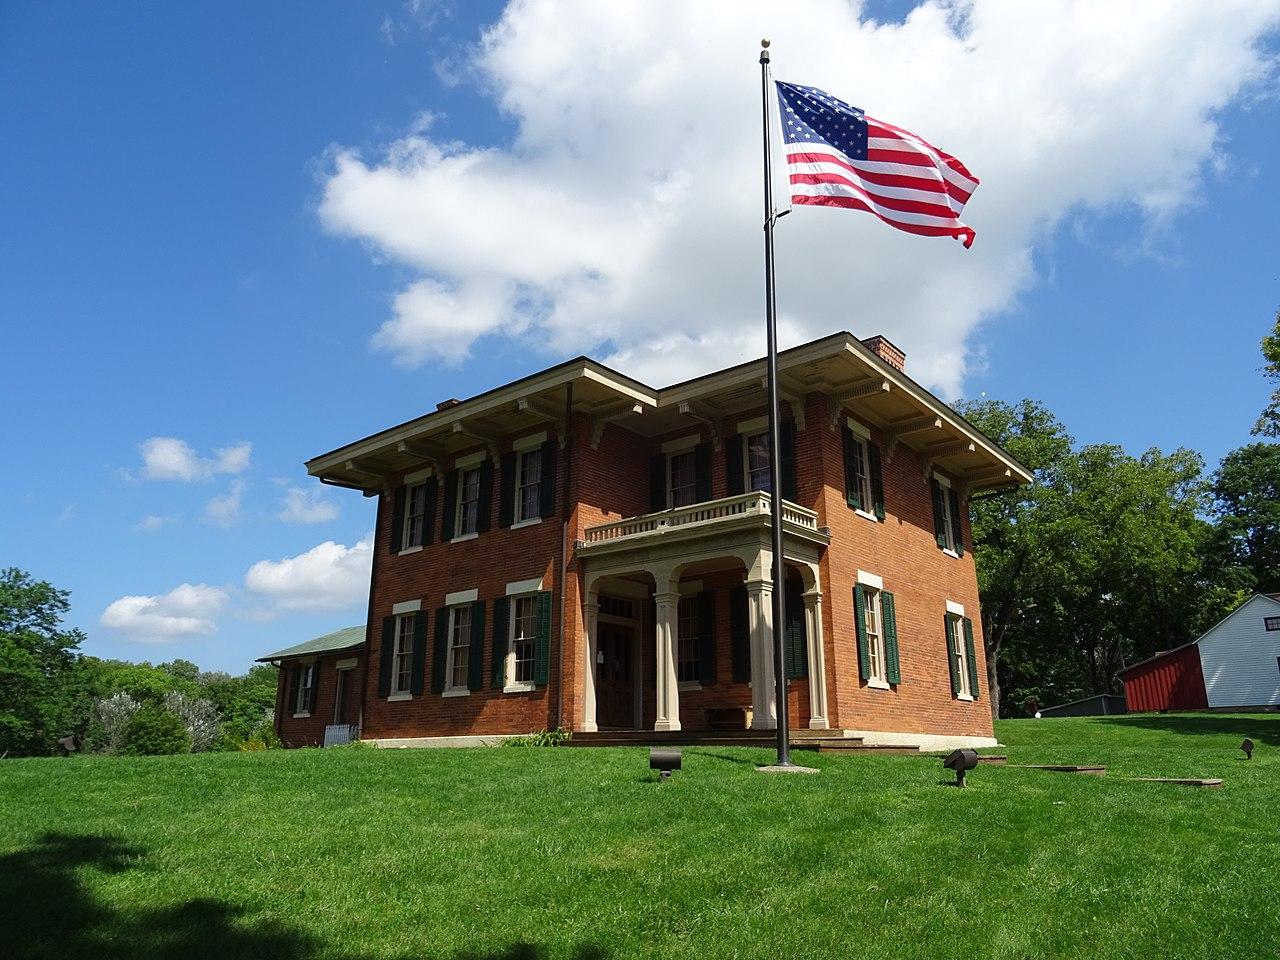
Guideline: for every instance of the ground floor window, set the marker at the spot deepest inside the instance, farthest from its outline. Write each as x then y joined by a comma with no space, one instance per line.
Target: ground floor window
959,656
524,636
306,683
402,665
688,635
459,660
873,619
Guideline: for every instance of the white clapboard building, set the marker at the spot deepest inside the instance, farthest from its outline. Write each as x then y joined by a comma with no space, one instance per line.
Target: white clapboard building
1240,655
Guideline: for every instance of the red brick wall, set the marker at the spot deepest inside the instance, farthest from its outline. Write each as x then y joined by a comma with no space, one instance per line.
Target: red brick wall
309,731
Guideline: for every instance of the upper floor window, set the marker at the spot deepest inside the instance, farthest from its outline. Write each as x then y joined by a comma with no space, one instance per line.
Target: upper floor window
757,465
306,686
684,479
1271,623
458,662
528,484
402,658
415,512
946,515
468,501
689,634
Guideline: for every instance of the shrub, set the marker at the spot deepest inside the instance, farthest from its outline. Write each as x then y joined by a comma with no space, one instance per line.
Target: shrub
543,738
109,722
153,732
199,718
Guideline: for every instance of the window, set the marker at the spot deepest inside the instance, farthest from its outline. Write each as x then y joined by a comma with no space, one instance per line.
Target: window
861,479
306,681
948,517
528,484
402,658
687,630
1272,623
959,656
875,635
524,633
757,454
468,502
459,660
684,482
415,513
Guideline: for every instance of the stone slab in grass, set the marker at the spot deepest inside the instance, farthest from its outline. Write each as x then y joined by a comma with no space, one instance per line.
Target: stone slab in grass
1184,781
997,759
1090,768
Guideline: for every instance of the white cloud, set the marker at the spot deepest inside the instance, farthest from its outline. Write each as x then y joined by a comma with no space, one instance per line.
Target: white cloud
306,506
224,510
329,576
185,611
151,523
169,458
625,213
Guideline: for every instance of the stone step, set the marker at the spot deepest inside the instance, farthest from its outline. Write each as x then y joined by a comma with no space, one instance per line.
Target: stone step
1095,769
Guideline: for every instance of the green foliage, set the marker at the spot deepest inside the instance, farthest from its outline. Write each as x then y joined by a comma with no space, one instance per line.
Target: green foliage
154,732
1268,424
1246,495
37,662
543,738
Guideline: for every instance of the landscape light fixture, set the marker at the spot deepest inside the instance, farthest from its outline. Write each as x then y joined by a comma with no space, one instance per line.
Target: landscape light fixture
1247,747
664,761
961,761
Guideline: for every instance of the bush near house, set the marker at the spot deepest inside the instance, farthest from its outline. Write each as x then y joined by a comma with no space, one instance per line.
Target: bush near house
581,853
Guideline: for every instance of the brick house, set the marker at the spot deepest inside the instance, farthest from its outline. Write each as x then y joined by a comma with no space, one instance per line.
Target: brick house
577,549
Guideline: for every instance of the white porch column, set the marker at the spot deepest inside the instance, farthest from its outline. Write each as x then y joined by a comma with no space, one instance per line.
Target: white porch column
666,631
590,607
817,661
764,696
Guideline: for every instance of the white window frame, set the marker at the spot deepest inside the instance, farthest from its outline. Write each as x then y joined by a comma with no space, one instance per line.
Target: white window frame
521,519
402,649
305,682
746,459
947,522
451,661
460,516
513,684
688,615
877,655
955,623
862,437
692,485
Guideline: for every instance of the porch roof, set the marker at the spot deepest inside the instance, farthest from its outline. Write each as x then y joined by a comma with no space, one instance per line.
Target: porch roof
348,638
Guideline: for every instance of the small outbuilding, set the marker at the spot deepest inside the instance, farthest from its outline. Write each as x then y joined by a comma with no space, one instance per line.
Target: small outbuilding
1234,665
320,694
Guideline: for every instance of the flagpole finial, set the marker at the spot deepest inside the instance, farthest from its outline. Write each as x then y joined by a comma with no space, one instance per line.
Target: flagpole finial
764,50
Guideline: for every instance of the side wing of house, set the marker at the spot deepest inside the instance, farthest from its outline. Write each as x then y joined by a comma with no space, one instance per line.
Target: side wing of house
1240,656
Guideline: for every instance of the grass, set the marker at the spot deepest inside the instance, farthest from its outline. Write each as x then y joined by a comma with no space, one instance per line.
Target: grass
539,853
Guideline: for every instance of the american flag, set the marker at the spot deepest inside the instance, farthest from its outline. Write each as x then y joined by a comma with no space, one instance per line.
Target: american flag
839,157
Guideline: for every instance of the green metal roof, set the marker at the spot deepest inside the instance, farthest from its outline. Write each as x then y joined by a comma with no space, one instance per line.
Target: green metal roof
343,639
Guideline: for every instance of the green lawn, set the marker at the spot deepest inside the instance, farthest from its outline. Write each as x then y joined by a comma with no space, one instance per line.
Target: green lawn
510,853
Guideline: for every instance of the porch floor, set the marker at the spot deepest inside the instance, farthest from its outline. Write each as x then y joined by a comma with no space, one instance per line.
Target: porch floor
822,741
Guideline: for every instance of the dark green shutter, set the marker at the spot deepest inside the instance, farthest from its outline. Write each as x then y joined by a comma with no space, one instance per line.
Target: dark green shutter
957,530
951,655
547,485
385,656
315,687
735,479
419,661
970,659
441,652
429,511
657,483
542,647
702,472
449,509
397,519
475,659
852,489
484,509
501,632
706,638
507,490
889,616
795,647
939,514
740,633
787,435
295,681
860,616
877,480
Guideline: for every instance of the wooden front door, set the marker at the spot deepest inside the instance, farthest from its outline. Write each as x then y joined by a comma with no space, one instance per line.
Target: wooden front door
615,675
345,707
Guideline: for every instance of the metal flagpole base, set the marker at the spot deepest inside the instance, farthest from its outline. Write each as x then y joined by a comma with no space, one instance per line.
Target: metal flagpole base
786,768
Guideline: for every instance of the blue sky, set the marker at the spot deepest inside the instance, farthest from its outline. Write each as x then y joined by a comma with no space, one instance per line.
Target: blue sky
183,257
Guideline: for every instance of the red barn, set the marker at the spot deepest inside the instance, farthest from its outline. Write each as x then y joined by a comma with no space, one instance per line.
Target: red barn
1172,680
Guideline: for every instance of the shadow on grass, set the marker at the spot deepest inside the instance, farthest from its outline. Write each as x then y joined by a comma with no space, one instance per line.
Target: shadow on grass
1261,729
46,912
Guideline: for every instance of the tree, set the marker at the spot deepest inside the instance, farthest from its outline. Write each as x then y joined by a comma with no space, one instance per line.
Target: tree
1268,424
1012,529
1246,502
37,657
154,731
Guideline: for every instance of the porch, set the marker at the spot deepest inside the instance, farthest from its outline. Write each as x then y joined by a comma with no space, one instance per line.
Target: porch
678,609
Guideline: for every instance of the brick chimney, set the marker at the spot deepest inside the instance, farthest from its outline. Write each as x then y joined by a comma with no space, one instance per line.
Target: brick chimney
452,402
887,352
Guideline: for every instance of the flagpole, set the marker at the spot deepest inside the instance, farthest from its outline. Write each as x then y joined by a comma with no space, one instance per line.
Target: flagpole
775,443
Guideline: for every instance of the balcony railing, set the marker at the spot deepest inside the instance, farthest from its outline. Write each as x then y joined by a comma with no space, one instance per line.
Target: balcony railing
757,503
